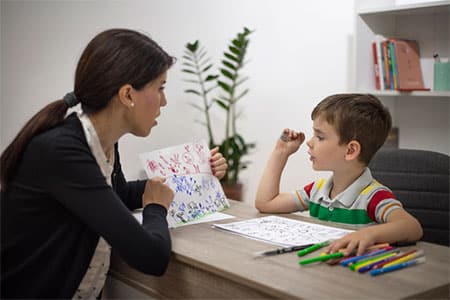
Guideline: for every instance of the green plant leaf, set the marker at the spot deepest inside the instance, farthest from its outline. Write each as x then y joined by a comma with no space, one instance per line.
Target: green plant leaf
211,77
229,65
210,89
222,104
192,46
200,56
190,91
235,50
187,58
196,106
188,71
204,62
231,57
227,74
237,43
191,80
242,94
224,86
225,99
207,68
188,64
239,82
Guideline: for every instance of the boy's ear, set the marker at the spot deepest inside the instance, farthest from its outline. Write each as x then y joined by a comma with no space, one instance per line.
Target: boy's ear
353,150
125,95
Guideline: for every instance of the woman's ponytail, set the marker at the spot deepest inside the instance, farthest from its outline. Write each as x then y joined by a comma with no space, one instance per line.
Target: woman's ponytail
48,117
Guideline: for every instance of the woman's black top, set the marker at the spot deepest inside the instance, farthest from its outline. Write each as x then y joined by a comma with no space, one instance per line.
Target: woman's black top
56,207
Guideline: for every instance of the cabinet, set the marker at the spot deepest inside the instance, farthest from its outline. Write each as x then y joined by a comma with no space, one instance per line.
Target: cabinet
422,117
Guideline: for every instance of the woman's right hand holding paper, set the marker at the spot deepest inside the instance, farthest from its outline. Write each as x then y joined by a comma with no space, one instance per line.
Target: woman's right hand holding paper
156,191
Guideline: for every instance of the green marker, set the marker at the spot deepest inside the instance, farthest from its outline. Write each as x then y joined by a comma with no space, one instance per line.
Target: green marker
321,258
312,248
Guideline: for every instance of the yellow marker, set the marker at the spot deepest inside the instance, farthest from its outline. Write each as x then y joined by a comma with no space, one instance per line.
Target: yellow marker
356,267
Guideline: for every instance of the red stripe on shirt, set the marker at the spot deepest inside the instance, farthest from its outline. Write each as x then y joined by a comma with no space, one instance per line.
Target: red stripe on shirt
308,189
376,199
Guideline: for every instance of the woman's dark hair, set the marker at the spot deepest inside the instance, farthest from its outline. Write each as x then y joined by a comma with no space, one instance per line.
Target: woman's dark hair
112,59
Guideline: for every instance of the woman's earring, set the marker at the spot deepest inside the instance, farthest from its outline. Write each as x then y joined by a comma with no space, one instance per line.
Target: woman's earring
132,104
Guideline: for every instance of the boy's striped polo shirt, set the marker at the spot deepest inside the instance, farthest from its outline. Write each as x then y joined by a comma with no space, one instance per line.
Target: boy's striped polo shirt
364,202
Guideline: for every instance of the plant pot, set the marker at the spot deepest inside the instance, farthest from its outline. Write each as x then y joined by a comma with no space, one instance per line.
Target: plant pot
233,190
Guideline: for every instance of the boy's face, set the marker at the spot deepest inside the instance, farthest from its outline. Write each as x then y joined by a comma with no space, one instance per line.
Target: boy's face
325,151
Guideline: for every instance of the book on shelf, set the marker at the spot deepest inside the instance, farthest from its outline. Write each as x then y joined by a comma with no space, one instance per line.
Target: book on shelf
387,78
376,67
397,64
390,56
408,64
393,64
380,62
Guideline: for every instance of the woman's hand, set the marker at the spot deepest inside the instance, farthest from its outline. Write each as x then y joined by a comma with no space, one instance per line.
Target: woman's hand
218,163
290,141
156,191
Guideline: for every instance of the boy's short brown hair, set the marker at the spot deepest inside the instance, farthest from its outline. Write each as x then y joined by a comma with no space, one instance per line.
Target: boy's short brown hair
360,117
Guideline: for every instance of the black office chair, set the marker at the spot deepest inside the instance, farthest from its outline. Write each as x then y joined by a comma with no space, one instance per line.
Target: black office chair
420,180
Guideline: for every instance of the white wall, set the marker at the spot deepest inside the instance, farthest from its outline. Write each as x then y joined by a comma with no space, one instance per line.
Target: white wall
300,52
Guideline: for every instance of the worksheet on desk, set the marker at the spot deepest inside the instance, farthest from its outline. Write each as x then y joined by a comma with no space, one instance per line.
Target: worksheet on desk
186,167
283,231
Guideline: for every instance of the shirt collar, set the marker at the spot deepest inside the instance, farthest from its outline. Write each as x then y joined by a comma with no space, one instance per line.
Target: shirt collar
351,193
106,166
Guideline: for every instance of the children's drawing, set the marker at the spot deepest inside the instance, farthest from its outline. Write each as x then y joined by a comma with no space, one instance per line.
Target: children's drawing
283,231
187,171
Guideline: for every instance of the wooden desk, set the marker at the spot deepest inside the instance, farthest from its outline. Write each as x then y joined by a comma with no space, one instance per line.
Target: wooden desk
210,263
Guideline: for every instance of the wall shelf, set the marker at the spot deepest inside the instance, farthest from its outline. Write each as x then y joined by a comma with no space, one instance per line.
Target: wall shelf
418,8
423,94
422,117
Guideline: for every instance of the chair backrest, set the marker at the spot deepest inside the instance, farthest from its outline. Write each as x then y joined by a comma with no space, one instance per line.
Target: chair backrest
420,180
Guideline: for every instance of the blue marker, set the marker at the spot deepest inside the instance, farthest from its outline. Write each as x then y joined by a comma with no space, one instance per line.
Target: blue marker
397,266
354,259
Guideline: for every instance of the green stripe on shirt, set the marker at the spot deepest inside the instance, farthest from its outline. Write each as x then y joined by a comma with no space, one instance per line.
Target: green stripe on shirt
340,215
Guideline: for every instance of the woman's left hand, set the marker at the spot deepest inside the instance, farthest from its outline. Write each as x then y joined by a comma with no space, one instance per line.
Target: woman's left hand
218,163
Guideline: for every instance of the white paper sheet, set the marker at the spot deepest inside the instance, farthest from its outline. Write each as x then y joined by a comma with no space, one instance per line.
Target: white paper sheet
187,171
283,231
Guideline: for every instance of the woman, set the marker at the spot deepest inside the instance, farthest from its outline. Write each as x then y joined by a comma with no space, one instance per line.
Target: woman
62,183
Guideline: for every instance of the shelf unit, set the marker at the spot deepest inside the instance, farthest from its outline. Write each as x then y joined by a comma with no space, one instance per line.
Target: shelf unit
421,116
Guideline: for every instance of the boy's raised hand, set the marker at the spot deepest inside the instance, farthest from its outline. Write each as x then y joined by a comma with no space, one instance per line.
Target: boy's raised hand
290,140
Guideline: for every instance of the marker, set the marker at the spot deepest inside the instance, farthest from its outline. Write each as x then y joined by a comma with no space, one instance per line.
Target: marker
321,258
378,246
403,244
364,261
312,248
354,259
414,255
282,250
374,264
397,266
391,259
359,266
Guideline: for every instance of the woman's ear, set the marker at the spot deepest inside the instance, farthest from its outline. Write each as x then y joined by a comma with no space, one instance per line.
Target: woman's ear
353,150
125,95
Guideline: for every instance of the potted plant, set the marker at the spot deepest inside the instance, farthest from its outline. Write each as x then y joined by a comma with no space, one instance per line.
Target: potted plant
229,83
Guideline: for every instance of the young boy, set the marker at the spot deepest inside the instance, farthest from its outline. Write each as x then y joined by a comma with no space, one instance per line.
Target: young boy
348,130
